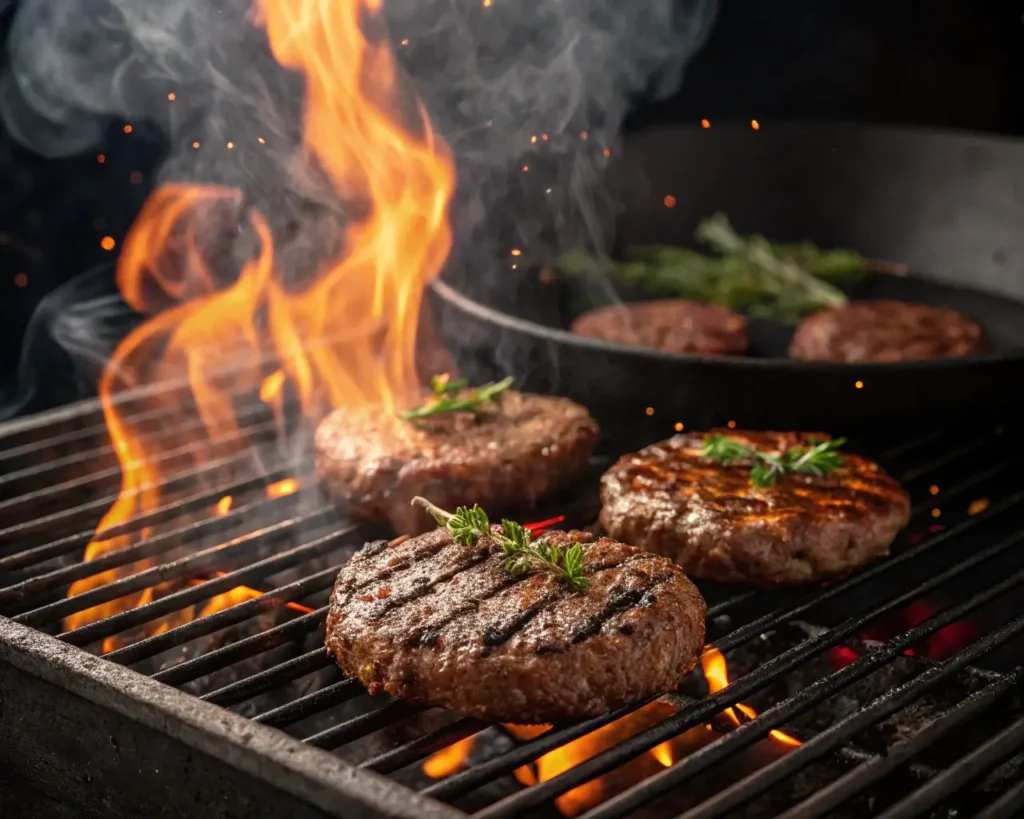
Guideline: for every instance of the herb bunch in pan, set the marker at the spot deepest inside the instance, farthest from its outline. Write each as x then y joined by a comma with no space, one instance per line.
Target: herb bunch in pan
522,553
749,274
819,458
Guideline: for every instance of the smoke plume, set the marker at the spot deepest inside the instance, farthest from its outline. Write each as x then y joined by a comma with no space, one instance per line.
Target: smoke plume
529,94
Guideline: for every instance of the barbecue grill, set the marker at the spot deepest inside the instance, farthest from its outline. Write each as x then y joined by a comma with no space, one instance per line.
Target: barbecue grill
902,681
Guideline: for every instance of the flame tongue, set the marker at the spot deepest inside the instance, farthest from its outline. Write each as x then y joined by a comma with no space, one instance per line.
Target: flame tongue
347,335
556,762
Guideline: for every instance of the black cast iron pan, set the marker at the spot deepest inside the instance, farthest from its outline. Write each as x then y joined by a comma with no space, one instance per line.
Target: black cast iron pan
950,206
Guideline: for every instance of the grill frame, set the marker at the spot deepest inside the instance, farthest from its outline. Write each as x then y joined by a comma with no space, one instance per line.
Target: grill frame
310,778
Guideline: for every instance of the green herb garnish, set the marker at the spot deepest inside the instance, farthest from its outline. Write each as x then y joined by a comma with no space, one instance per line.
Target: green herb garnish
820,458
452,395
748,274
522,553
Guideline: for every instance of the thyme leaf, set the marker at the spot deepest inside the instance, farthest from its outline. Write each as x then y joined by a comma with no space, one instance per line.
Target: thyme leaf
818,459
522,553
452,395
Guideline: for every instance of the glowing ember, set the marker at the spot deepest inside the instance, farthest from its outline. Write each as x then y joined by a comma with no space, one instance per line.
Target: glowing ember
716,672
224,505
270,389
977,506
289,486
345,336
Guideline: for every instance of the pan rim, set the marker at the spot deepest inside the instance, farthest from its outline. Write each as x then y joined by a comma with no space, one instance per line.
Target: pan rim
489,315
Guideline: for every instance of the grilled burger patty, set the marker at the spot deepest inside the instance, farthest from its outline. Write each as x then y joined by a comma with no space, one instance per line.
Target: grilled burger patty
506,456
713,522
433,622
886,331
671,325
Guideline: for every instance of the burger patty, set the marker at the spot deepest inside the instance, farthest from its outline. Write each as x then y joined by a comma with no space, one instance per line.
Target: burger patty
671,325
886,331
437,623
506,456
711,520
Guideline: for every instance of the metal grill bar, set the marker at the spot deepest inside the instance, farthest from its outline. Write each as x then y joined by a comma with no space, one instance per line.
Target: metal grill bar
173,483
162,514
818,746
1006,806
310,704
241,650
871,771
113,474
346,732
269,679
981,759
176,569
186,597
742,689
104,451
424,746
230,616
146,548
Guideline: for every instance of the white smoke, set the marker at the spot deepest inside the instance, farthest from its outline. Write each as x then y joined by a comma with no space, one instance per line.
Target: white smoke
508,83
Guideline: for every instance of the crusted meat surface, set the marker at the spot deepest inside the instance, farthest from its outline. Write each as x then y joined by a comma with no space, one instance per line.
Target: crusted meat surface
504,458
671,325
886,331
713,522
436,623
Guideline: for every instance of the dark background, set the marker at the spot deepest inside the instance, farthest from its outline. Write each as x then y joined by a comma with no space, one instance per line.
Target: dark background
946,63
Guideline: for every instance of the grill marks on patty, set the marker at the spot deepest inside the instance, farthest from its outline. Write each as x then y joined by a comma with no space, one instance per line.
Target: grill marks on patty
454,626
710,519
471,580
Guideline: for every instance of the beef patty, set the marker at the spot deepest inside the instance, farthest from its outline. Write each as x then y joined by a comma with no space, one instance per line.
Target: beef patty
886,331
713,522
436,623
506,456
671,325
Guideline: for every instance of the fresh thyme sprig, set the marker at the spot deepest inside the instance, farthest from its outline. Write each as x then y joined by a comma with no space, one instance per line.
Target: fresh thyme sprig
820,458
521,552
451,395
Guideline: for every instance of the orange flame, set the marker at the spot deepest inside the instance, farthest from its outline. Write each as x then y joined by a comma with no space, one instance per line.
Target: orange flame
716,672
560,760
449,760
589,794
345,337
270,389
288,486
240,594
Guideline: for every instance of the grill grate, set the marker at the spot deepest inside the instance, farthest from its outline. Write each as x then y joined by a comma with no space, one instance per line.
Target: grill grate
260,656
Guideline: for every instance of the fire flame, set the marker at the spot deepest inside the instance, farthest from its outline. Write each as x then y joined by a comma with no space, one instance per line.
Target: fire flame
346,336
716,672
574,802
